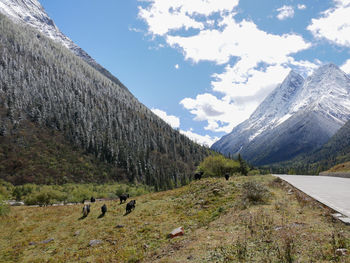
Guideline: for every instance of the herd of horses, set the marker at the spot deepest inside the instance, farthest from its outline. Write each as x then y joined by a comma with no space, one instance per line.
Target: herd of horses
198,176
130,205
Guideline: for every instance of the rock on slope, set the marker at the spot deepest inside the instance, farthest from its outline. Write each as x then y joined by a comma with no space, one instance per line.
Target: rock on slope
297,117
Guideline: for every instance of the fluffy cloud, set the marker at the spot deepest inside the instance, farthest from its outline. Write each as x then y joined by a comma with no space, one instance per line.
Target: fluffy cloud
244,86
285,12
346,66
334,24
206,30
172,120
163,16
238,40
301,6
221,115
200,139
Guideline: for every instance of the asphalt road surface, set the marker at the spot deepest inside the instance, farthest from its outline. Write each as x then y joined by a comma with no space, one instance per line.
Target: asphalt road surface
334,192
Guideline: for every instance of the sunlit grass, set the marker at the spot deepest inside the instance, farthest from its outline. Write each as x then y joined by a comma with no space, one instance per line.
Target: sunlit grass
217,228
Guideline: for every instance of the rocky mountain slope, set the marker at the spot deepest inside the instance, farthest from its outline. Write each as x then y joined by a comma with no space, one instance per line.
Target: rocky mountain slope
43,82
30,12
298,116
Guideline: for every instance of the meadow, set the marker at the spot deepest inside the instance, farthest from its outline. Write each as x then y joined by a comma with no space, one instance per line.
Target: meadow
245,219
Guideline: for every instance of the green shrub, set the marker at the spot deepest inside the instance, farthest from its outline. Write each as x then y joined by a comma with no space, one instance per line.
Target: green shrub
73,193
6,189
254,172
4,208
45,197
120,190
79,194
218,166
20,192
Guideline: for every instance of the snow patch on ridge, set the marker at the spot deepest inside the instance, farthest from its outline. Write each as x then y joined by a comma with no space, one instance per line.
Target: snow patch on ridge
30,12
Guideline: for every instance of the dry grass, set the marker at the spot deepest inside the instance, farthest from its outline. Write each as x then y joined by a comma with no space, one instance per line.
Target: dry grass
216,229
343,167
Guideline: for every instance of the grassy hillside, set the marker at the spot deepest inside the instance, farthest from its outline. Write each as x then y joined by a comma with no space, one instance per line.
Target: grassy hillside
340,168
223,222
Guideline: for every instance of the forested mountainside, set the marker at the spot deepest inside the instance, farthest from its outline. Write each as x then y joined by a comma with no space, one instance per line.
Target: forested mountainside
335,151
43,82
32,153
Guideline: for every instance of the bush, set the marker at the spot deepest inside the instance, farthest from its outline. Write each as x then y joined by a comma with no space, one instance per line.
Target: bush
19,192
46,197
254,172
79,194
73,193
218,166
6,189
4,208
255,193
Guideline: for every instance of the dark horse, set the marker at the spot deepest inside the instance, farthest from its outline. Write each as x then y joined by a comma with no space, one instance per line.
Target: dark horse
123,197
130,206
198,175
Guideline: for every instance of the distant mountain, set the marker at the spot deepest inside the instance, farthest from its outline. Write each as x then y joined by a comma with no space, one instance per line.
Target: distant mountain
299,116
336,150
44,83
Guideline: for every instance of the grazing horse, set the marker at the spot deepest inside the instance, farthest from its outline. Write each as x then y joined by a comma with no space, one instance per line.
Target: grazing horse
198,175
103,209
130,206
123,197
86,210
227,176
92,200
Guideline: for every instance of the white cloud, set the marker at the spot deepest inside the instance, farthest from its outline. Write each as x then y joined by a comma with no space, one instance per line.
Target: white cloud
221,115
177,66
334,24
346,67
301,6
285,12
262,59
172,120
205,140
239,85
134,29
163,16
238,40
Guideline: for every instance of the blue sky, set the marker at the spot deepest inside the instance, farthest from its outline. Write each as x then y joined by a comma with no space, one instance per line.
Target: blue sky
205,65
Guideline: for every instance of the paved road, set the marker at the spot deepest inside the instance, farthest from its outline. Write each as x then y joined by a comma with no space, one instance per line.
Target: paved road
334,192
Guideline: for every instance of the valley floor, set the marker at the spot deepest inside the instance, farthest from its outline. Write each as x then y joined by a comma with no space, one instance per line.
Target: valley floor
221,225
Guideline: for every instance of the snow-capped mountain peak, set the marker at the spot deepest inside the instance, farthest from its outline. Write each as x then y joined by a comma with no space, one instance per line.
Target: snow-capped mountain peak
30,12
276,107
297,116
328,90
